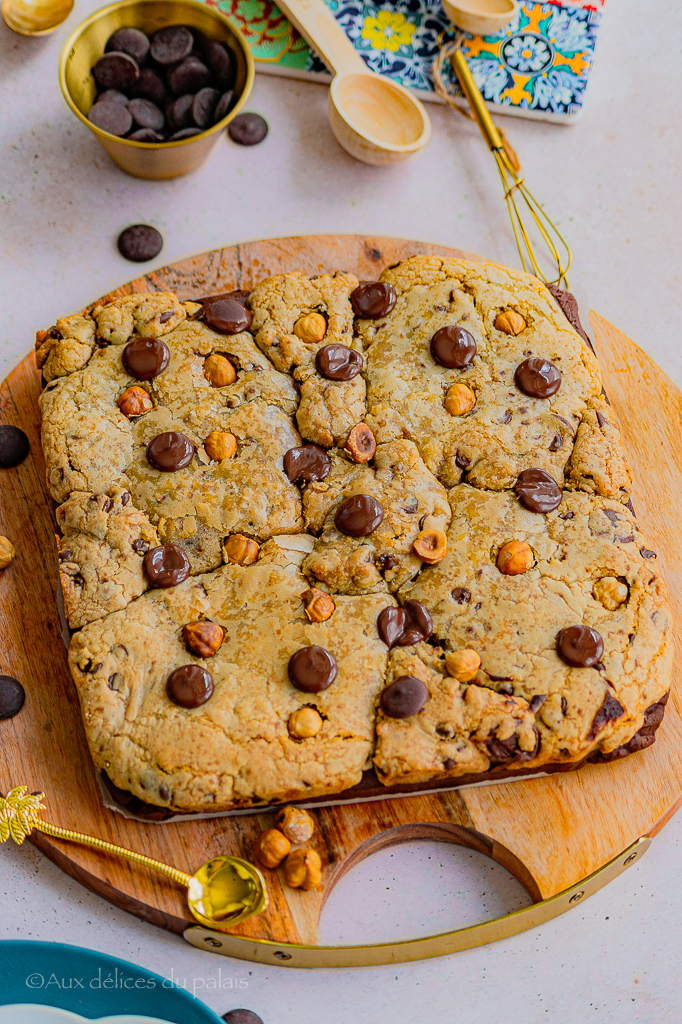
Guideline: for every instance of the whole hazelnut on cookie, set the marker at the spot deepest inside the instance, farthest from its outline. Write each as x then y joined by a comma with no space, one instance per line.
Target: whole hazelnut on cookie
510,322
203,638
462,665
459,400
431,546
219,371
240,549
318,605
360,443
303,869
610,592
134,402
220,445
305,723
311,328
515,557
296,824
272,847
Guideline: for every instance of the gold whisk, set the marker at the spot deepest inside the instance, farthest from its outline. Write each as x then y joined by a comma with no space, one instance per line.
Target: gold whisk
509,169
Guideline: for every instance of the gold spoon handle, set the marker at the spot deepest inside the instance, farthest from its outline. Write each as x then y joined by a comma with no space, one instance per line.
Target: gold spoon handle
118,851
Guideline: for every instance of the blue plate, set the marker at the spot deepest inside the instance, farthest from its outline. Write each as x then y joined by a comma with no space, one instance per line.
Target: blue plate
39,972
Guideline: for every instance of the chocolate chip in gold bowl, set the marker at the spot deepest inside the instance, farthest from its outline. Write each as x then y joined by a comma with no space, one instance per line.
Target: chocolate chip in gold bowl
190,686
373,299
312,669
359,515
453,347
203,638
537,378
538,491
404,698
580,646
145,358
166,566
338,362
170,451
306,463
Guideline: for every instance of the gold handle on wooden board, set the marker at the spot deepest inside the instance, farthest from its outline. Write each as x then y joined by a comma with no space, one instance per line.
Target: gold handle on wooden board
264,951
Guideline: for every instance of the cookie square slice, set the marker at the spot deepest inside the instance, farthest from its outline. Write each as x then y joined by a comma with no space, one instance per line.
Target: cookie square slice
478,366
579,632
238,748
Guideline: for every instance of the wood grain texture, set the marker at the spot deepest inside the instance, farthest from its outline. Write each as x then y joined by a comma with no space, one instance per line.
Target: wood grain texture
550,832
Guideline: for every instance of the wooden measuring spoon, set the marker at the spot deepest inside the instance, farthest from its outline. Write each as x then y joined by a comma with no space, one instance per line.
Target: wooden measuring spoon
374,119
481,17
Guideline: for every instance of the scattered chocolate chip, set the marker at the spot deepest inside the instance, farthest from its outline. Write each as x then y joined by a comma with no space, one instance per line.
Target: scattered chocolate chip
462,461
241,1016
149,86
461,595
14,446
190,75
12,697
373,299
226,315
556,443
185,133
448,764
116,71
359,515
114,681
391,625
224,106
601,419
538,491
309,462
146,358
147,115
644,552
170,451
139,243
172,44
404,698
569,307
505,750
164,792
222,63
145,135
537,378
386,562
580,646
312,669
166,566
627,538
248,129
190,686
204,107
537,701
338,362
130,41
111,117
179,113
564,705
507,417
453,347
610,710
140,547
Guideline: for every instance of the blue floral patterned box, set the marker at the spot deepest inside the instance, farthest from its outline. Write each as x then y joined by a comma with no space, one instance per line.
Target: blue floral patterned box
538,67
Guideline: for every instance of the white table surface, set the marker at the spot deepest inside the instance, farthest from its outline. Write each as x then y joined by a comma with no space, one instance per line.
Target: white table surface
612,182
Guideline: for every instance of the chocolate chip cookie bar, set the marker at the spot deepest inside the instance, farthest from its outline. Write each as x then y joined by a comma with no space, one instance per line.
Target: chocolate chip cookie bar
327,532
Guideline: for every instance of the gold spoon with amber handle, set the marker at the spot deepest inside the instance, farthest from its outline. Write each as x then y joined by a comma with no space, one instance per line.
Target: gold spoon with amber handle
223,892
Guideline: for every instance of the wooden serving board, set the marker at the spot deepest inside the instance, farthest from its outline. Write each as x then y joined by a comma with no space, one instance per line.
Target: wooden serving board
551,832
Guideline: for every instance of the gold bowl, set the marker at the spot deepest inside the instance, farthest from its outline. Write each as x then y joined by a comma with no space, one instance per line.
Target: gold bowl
157,161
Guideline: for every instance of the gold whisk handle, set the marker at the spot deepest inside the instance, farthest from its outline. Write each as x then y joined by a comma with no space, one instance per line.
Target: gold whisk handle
118,851
475,101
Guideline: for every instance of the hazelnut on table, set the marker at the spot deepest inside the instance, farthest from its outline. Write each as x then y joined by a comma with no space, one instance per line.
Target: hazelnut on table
7,552
296,824
272,847
303,869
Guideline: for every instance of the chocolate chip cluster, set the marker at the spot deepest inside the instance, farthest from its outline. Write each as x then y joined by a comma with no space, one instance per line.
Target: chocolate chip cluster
164,89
